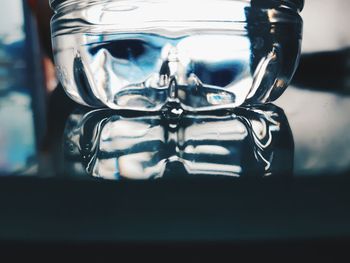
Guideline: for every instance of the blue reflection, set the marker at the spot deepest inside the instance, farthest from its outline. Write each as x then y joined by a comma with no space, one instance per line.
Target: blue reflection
244,142
17,138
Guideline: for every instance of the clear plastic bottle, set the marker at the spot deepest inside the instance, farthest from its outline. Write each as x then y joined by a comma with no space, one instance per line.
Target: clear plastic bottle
201,55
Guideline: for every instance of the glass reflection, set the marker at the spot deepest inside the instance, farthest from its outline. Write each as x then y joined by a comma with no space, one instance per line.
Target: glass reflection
124,145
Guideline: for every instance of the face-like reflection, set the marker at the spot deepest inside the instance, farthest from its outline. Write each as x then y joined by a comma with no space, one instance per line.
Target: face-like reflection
111,145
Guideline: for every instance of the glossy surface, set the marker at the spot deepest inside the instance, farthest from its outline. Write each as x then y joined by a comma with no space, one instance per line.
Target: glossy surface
256,142
204,55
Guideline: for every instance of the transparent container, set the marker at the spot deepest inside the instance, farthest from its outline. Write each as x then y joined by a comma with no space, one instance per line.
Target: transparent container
200,55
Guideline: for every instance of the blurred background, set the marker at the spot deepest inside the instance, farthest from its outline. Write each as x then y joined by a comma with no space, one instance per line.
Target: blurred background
33,111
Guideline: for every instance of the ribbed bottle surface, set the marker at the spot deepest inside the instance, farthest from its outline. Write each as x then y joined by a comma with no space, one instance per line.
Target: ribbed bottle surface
202,55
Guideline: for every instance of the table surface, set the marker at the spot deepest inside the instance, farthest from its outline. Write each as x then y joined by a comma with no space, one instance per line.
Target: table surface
312,204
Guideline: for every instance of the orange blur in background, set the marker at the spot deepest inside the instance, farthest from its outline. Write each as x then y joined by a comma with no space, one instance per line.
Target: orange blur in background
43,13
